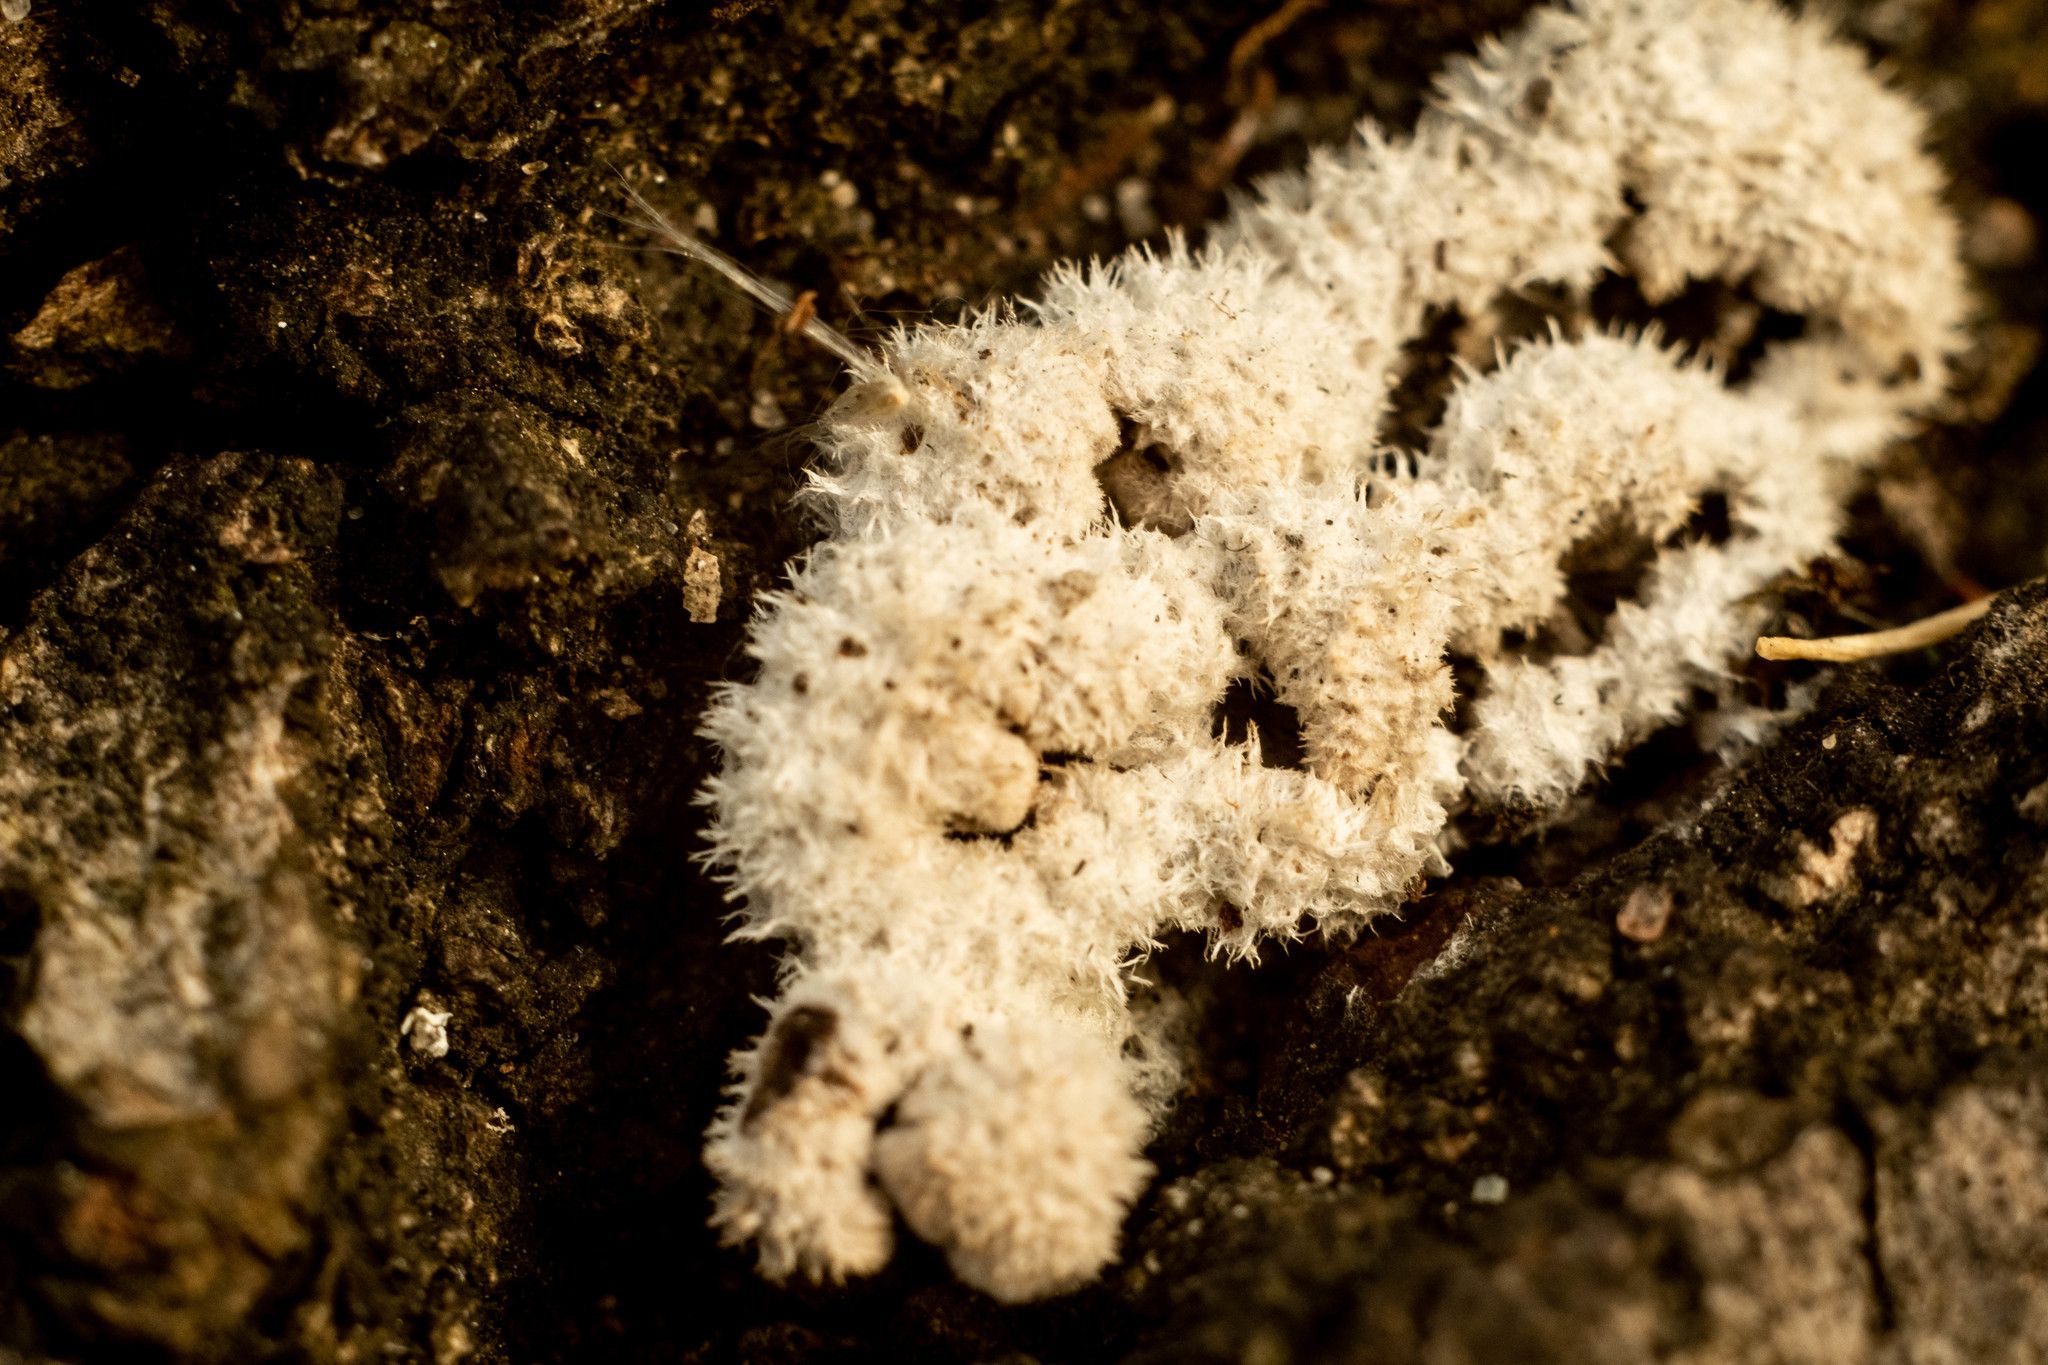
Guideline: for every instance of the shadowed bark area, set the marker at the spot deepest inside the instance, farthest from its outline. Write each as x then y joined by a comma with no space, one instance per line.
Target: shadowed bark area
374,524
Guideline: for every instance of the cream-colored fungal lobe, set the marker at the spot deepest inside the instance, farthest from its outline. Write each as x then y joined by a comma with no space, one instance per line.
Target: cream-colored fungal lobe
977,776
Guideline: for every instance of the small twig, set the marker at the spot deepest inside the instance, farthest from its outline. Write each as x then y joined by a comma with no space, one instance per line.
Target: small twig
1215,172
865,365
1842,649
801,312
1251,91
1247,48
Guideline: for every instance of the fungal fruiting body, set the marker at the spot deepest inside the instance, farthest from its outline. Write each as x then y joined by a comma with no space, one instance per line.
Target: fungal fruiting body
975,779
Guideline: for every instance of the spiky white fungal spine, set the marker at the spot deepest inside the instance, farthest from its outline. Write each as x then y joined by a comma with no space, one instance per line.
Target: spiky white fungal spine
975,776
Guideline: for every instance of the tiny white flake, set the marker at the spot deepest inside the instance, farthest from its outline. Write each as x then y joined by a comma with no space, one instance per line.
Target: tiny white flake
426,1030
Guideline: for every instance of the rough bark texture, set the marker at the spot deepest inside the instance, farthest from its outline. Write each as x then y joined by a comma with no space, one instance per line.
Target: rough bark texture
371,530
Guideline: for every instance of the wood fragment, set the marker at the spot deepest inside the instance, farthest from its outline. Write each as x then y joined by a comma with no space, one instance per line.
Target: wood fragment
1247,48
1849,648
801,312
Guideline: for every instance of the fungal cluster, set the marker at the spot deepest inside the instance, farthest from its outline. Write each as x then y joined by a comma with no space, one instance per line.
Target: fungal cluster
977,776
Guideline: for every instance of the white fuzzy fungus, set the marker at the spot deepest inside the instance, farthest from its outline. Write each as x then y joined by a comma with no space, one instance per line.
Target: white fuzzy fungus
426,1030
975,779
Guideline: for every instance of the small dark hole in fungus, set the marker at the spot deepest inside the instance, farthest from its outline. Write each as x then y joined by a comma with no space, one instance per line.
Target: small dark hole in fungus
1604,568
964,832
1601,569
797,1036
1712,319
1466,677
1425,376
1138,481
1249,702
1709,522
